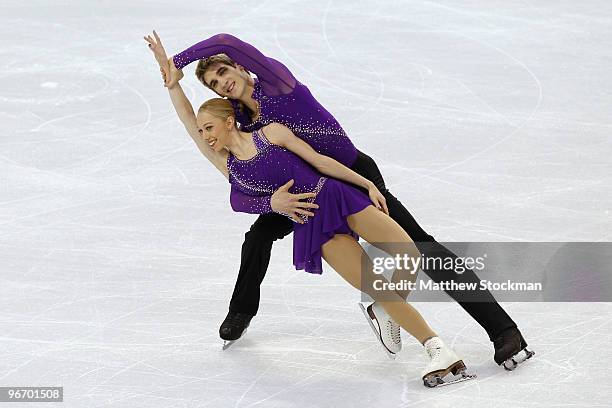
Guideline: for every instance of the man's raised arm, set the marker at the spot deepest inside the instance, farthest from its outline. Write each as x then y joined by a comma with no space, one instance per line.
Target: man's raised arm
268,70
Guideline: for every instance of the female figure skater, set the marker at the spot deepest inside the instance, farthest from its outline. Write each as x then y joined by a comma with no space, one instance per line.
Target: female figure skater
276,96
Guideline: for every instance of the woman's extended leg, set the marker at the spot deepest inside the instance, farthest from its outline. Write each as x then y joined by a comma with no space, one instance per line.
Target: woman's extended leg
383,232
345,255
486,311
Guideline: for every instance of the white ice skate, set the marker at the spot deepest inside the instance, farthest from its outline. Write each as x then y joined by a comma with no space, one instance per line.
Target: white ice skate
384,327
443,362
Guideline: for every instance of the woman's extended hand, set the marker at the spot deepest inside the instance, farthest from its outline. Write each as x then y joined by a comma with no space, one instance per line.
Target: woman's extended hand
156,47
378,199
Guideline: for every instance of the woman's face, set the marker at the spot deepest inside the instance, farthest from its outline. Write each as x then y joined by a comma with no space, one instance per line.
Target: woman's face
226,81
214,131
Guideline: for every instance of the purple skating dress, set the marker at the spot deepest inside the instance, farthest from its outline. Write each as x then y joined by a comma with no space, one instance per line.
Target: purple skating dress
274,166
282,99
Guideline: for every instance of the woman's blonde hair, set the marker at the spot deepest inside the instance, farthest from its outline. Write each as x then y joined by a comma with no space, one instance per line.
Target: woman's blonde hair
219,108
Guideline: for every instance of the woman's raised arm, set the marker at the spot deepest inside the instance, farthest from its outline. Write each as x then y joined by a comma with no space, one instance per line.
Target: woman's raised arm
184,110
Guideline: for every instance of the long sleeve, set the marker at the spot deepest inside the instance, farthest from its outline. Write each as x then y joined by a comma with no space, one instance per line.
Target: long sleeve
242,202
270,72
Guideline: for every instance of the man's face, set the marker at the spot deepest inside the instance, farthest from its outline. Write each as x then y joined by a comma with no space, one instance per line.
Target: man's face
226,81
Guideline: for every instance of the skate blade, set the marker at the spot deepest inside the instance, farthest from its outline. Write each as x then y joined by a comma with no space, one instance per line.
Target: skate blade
454,374
228,343
376,333
518,358
455,379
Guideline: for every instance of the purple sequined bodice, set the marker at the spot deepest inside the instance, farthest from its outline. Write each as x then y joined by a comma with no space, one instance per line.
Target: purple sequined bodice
270,168
306,118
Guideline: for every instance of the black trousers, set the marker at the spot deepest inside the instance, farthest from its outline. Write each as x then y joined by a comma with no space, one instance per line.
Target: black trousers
257,248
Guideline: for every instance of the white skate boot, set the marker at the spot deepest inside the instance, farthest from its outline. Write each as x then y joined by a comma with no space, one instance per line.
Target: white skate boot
443,361
384,327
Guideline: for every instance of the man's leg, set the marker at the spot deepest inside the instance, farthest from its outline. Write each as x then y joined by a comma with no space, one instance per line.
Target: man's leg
254,260
489,314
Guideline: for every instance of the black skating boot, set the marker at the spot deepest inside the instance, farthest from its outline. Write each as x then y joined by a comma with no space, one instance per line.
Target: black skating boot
233,327
511,349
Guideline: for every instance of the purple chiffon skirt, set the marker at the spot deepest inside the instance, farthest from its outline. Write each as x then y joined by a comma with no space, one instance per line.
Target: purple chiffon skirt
337,200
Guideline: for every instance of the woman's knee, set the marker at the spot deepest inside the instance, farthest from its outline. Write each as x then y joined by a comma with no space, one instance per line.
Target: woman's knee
343,254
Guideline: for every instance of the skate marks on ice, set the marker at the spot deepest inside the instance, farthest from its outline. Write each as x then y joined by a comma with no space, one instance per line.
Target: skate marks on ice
111,321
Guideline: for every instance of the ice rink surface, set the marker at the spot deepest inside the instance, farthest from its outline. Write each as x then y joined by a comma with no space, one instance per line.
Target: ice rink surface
489,120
